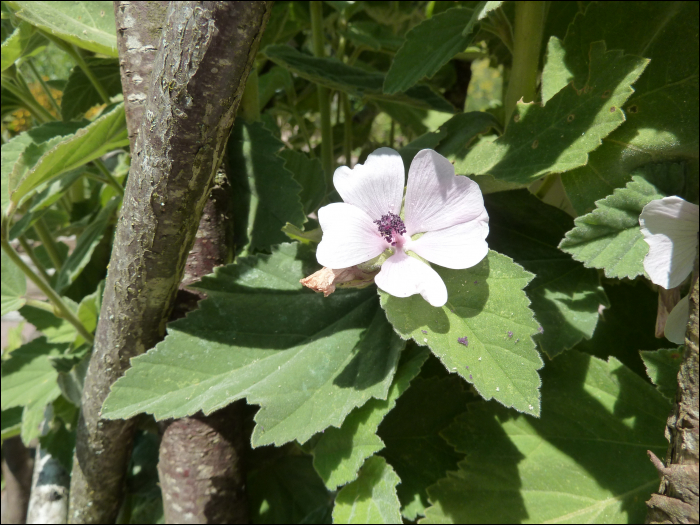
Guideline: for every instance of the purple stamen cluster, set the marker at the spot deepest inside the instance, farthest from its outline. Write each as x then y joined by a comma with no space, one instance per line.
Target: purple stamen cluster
463,341
390,226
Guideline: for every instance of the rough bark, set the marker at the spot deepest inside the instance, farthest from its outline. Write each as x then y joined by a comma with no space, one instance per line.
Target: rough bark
201,66
200,461
17,468
677,498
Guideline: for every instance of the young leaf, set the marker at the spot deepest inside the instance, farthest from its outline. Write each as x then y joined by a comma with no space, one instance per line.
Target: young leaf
85,246
566,297
89,25
80,94
414,446
583,460
354,81
559,136
428,46
609,237
340,452
483,333
14,285
307,360
44,162
662,113
371,498
265,196
662,368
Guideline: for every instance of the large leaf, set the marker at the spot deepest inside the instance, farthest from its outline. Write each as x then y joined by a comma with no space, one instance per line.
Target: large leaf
609,237
486,305
307,360
352,80
428,47
14,285
340,452
11,152
559,136
583,461
414,446
89,25
80,94
309,174
85,246
662,114
371,498
566,297
42,162
14,45
29,380
662,368
265,196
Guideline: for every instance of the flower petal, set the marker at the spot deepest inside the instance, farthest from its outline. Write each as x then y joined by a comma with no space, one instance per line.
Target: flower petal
403,276
677,322
375,186
349,236
670,228
457,247
436,198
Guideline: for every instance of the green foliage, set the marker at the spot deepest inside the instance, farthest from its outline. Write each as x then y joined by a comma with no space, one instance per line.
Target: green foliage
371,498
80,94
584,459
662,368
308,365
487,305
609,237
14,285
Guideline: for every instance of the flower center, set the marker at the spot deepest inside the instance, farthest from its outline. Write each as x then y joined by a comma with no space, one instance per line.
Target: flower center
391,227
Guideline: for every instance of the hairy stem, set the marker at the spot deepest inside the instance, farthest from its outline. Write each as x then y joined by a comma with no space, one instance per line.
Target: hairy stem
324,100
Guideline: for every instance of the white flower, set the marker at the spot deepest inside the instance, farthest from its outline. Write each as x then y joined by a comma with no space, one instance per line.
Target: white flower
448,210
670,228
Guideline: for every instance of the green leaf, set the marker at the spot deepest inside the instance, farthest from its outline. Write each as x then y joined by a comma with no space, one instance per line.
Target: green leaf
461,131
308,364
414,446
55,190
287,490
583,461
609,237
60,443
565,296
55,329
662,114
304,237
340,452
428,46
485,303
309,174
89,25
559,136
29,380
662,368
481,11
11,152
11,422
354,81
43,162
371,498
14,285
85,246
14,45
80,94
265,196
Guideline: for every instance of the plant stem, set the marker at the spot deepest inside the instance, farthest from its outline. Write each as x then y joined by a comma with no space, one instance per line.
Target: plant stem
42,305
324,104
32,256
47,240
44,86
61,308
37,111
347,128
108,175
529,26
250,103
392,130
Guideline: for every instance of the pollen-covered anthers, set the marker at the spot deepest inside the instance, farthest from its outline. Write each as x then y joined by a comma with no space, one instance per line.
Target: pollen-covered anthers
390,226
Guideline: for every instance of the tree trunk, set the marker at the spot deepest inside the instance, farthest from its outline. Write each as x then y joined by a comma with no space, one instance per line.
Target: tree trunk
201,66
677,497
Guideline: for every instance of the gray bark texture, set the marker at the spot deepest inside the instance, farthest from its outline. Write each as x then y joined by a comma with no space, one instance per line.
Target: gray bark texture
17,466
49,499
677,498
202,63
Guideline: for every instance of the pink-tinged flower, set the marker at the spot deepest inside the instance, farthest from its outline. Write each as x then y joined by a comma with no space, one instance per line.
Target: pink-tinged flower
447,210
670,228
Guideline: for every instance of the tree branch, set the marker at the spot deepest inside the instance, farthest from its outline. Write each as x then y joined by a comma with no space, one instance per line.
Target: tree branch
206,52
